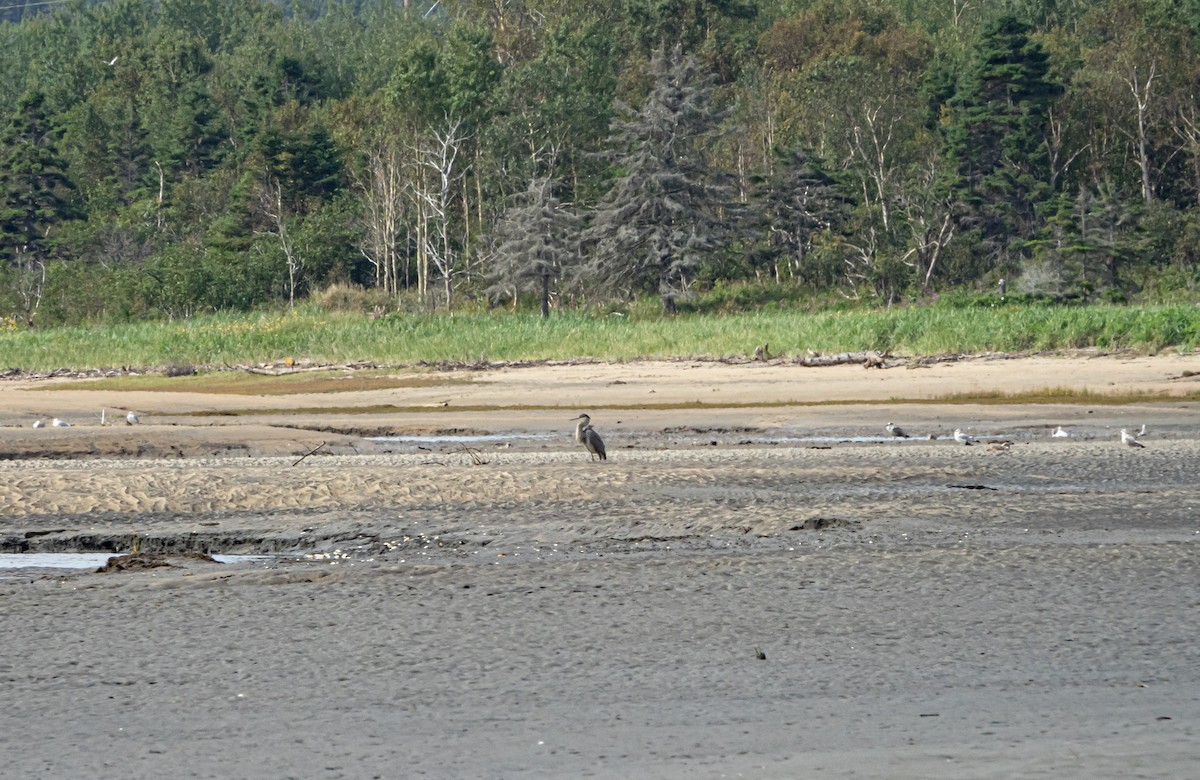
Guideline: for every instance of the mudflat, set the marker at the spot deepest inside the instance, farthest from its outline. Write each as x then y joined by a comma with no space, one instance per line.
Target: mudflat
758,582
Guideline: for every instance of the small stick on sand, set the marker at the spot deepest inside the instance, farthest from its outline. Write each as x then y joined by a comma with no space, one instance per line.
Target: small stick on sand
310,452
476,455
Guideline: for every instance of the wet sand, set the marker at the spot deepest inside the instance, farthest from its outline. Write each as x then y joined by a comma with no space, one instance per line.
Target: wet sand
507,608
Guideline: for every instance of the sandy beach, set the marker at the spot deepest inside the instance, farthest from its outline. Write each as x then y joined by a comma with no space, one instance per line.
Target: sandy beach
759,582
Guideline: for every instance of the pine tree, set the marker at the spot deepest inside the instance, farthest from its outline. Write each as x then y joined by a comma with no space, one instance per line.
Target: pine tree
534,244
996,138
664,211
37,195
795,202
306,163
193,137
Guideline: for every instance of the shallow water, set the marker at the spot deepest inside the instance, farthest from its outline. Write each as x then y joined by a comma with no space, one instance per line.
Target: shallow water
85,560
756,439
461,439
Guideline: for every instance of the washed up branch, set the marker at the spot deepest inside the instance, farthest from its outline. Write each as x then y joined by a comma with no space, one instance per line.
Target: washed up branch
869,358
310,452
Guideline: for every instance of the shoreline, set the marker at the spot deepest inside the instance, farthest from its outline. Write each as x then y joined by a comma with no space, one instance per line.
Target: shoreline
726,595
643,398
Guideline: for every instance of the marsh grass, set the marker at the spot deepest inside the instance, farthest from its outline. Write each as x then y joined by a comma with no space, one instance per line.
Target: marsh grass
338,337
1060,395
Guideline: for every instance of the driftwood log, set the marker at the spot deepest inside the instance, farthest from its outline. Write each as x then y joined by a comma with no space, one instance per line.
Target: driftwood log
287,370
869,358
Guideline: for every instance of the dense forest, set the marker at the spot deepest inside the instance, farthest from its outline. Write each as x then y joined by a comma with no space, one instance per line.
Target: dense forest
165,158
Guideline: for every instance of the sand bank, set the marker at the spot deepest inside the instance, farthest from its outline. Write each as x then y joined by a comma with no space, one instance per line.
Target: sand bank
504,607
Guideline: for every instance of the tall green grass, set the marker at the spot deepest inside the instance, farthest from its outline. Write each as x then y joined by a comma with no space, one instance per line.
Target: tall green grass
336,337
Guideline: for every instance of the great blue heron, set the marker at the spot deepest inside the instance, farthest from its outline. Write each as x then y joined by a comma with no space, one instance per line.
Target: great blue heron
1129,440
132,419
895,430
586,435
962,438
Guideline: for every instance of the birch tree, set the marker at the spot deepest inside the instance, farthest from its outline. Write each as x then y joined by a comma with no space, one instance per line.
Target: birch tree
436,191
271,207
382,185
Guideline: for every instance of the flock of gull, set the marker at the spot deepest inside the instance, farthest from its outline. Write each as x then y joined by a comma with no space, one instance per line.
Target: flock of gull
962,437
131,418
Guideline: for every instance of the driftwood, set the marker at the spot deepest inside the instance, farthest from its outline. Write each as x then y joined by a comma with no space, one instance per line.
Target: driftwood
313,451
475,455
870,359
286,370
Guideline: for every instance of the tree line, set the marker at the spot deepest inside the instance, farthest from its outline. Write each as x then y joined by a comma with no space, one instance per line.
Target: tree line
163,158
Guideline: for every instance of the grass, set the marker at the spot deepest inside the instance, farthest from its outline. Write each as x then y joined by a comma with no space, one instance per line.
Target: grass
340,337
1059,395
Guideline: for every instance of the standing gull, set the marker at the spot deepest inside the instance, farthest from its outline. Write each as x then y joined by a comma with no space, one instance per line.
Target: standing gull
1129,440
896,431
1059,433
132,419
586,435
963,438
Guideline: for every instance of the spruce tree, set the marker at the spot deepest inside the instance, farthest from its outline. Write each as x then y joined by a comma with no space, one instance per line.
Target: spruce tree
664,210
37,194
535,244
792,204
996,139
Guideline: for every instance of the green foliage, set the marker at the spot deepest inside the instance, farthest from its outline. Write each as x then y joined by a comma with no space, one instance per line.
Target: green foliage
339,336
793,206
725,298
996,138
663,211
534,248
34,184
948,145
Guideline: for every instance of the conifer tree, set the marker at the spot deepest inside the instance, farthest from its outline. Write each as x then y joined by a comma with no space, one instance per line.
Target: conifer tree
664,210
36,195
795,202
536,244
996,138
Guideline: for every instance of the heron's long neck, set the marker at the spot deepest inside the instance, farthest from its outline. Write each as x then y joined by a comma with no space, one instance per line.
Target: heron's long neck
583,424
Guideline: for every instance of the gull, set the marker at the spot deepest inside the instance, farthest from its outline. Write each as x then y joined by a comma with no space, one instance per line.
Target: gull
132,419
896,431
962,438
57,423
1059,433
1129,440
39,423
